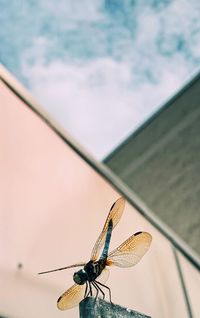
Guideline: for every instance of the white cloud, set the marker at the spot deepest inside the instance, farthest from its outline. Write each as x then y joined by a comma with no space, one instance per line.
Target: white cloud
100,100
95,101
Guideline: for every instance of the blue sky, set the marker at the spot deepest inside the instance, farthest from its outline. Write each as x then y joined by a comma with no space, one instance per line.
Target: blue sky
101,68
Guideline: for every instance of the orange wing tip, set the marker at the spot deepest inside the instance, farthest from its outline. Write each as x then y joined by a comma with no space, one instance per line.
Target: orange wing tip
150,236
59,303
122,200
146,233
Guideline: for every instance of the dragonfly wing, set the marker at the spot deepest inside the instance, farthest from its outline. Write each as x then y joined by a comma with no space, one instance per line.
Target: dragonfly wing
71,297
130,252
62,268
115,214
103,277
75,294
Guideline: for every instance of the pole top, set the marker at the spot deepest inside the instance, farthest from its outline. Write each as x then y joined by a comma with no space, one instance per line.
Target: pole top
93,308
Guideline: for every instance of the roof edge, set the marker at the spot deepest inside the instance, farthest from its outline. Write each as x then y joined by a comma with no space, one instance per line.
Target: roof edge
189,83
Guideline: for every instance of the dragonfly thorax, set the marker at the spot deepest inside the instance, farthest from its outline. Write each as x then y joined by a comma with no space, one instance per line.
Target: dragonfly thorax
89,273
94,269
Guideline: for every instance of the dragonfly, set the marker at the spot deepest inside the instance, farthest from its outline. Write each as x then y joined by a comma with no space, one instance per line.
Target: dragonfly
95,273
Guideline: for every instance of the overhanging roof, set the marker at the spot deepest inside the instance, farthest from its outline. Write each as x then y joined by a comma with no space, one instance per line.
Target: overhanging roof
160,162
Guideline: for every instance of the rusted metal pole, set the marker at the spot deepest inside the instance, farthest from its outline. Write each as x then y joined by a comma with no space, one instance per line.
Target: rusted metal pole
99,308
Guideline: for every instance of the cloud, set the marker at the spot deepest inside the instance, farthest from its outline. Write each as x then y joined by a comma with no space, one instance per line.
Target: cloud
97,101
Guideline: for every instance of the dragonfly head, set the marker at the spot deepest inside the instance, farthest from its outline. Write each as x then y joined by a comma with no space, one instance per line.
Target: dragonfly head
80,277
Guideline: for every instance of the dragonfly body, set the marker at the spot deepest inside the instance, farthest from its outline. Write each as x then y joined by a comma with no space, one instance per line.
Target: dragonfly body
89,273
95,272
93,269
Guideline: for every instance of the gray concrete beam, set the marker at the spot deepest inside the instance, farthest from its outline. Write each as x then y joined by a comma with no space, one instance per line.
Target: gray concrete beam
91,308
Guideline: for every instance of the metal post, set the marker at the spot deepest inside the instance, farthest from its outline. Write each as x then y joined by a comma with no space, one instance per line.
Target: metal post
93,308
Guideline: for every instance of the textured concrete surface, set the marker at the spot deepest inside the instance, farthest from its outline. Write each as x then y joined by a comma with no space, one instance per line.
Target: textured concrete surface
91,308
161,164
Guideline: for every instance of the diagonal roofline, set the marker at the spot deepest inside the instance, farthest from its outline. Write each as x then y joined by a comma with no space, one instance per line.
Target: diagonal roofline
146,123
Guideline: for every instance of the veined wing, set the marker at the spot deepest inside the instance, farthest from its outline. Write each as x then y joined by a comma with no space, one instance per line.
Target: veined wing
130,252
71,297
62,268
115,214
75,294
103,277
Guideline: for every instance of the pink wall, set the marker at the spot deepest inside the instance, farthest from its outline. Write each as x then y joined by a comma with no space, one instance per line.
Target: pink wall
52,208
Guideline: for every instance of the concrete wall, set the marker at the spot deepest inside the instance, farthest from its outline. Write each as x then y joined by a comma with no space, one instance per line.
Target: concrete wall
161,163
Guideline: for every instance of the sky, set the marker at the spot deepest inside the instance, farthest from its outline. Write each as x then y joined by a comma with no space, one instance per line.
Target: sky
101,68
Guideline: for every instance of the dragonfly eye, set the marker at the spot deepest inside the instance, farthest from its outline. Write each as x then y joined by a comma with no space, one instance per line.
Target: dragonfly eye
80,277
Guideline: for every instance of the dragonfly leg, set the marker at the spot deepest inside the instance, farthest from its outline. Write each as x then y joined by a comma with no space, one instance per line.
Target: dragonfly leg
86,289
90,292
98,283
99,288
